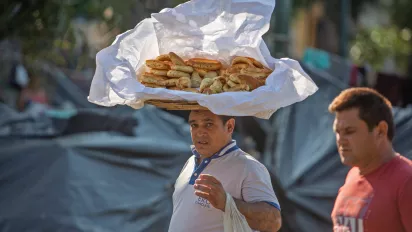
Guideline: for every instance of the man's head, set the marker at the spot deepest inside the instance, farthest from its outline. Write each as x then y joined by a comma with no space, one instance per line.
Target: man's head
210,132
363,125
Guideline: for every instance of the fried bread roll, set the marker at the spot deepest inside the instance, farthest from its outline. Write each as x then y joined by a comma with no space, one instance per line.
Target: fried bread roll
201,72
170,82
156,64
210,74
177,74
239,87
164,57
245,79
216,87
193,90
183,83
196,80
256,70
242,60
206,83
255,74
226,87
255,62
241,65
153,85
152,79
182,68
176,59
207,64
159,72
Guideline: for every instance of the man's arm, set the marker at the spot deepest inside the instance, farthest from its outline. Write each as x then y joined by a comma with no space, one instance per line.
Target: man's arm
260,215
404,204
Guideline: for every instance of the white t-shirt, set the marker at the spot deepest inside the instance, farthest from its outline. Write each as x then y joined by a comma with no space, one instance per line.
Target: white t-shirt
241,175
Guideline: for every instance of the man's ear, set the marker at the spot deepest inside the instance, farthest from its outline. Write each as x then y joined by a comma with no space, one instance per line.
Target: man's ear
230,125
382,129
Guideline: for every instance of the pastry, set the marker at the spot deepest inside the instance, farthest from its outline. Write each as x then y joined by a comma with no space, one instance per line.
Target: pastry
205,64
177,74
183,83
183,68
156,64
196,80
176,59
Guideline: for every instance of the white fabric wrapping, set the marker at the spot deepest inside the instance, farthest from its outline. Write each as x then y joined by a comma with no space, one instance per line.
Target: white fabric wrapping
215,29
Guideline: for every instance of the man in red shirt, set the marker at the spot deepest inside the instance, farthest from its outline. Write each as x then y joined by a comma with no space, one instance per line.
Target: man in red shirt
377,194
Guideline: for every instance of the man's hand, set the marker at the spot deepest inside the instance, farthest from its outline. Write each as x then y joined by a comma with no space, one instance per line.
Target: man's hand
212,190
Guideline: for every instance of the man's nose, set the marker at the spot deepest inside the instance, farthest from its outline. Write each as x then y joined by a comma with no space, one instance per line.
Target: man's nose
341,139
200,132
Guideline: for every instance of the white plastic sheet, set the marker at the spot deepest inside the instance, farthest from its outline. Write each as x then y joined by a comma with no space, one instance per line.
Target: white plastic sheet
215,29
233,220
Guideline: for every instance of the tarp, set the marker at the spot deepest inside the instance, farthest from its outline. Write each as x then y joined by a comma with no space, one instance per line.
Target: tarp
100,181
303,157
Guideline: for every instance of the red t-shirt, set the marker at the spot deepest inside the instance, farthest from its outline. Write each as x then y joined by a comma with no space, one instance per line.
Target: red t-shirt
378,201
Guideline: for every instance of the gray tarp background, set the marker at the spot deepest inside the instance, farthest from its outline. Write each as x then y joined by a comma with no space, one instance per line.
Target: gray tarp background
102,181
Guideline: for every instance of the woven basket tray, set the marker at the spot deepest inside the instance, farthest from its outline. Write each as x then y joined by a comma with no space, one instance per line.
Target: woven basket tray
176,105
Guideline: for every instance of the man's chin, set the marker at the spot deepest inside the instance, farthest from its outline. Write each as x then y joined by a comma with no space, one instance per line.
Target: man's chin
347,161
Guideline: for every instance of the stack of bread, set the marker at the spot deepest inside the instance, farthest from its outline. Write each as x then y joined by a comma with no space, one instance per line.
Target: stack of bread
205,76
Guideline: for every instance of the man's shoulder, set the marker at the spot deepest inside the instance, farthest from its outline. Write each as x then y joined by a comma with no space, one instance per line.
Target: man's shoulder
247,160
403,166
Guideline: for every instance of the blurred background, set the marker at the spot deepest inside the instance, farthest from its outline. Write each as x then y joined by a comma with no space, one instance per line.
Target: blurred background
69,165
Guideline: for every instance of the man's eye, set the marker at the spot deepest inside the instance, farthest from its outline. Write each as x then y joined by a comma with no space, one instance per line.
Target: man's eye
193,125
209,124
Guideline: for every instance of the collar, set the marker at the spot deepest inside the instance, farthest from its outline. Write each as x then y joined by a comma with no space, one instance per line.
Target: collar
231,146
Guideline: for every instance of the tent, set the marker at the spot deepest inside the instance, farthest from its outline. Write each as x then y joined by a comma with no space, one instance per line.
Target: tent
90,181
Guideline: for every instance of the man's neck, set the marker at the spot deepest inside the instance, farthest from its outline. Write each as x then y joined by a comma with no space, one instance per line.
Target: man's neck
205,156
379,160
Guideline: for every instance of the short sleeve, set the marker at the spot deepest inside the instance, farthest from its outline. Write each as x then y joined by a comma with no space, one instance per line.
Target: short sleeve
257,186
405,205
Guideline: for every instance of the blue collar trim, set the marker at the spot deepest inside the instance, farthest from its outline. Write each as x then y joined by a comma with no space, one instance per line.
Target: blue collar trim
231,146
198,168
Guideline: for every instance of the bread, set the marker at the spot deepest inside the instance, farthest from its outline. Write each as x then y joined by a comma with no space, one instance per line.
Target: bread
153,85
176,59
159,72
170,82
206,83
210,74
183,83
196,80
151,78
207,64
182,68
245,79
201,72
172,72
156,64
239,87
177,74
164,57
242,60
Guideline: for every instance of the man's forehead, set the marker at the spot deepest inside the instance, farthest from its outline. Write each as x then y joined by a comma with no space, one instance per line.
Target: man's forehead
346,118
202,115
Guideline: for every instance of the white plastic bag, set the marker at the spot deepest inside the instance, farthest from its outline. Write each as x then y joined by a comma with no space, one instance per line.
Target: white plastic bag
233,220
214,29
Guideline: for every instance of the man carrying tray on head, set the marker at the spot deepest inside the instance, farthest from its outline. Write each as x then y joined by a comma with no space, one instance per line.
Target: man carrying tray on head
218,166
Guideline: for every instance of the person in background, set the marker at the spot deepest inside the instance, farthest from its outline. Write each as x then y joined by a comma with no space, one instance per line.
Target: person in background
377,193
218,166
34,93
